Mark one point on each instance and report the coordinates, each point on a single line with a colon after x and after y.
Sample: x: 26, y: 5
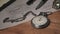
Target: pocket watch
x: 40, y: 21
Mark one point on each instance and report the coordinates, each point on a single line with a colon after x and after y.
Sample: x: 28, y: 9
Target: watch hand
x: 39, y: 19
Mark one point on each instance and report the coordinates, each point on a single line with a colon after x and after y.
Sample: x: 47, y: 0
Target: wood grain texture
x: 26, y: 28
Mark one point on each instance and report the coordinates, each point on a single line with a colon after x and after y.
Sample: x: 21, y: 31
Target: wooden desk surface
x: 26, y: 28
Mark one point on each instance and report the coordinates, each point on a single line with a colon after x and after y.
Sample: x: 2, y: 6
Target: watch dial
x: 39, y: 20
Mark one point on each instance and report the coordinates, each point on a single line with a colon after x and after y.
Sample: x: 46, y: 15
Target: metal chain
x: 23, y: 18
x: 18, y: 19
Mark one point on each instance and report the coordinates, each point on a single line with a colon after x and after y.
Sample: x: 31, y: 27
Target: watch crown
x: 43, y: 13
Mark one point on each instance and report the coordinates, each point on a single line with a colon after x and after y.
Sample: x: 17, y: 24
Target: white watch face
x: 39, y: 20
x: 2, y: 2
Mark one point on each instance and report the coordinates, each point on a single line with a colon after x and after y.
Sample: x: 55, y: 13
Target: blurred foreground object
x: 56, y: 4
x: 5, y: 3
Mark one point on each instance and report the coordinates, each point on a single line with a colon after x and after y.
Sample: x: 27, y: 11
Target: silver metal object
x: 56, y: 4
x: 41, y: 21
